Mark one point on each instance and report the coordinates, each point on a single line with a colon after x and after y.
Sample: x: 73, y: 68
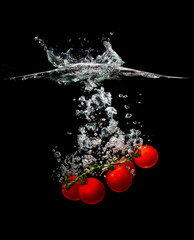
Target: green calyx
x: 111, y: 167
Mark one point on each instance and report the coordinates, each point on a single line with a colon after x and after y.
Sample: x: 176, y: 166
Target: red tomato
x: 148, y: 158
x: 129, y: 165
x: 92, y: 192
x: 72, y: 192
x: 119, y: 179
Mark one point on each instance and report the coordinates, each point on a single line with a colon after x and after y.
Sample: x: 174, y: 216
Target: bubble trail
x: 99, y: 137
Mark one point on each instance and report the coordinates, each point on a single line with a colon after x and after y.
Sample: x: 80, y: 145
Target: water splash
x: 68, y: 69
x: 99, y: 137
x: 60, y: 60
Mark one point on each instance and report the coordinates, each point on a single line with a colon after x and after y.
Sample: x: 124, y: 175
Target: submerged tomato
x: 129, y: 165
x: 72, y: 192
x: 148, y: 157
x: 92, y: 192
x: 119, y: 179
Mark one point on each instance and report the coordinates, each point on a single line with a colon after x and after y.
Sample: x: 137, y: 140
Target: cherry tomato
x: 119, y: 179
x: 148, y: 158
x: 72, y: 192
x: 92, y: 192
x: 129, y: 165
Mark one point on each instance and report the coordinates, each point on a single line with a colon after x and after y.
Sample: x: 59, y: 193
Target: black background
x: 36, y: 114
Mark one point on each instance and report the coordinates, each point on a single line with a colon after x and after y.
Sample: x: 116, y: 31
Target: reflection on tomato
x: 129, y: 165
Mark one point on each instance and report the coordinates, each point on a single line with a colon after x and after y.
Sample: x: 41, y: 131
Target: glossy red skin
x: 92, y: 192
x: 129, y: 165
x: 72, y: 193
x: 148, y: 158
x: 119, y: 179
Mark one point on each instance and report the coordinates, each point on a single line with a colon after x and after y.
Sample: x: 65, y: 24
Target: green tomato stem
x: 96, y: 166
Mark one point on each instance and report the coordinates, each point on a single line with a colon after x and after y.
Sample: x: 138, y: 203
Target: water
x: 69, y: 69
x: 99, y: 138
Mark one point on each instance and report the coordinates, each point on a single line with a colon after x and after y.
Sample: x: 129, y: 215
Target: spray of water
x: 68, y: 69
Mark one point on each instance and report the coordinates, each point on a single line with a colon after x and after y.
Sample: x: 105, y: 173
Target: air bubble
x: 126, y: 106
x: 128, y: 115
x: 57, y: 154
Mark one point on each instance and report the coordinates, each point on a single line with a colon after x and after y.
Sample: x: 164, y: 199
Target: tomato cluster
x: 119, y: 179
